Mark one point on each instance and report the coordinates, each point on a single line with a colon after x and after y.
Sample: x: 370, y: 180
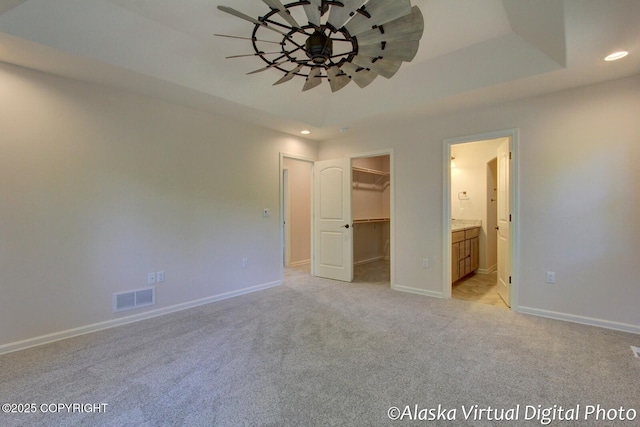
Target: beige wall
x: 99, y: 187
x: 578, y: 192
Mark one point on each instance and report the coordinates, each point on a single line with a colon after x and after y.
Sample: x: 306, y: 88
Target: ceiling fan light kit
x: 341, y: 41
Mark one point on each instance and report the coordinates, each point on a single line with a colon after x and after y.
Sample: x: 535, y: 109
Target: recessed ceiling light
x: 305, y: 132
x: 616, y: 55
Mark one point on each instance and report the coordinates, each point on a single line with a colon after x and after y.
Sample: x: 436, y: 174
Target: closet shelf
x: 367, y: 220
x: 378, y: 180
x: 372, y: 171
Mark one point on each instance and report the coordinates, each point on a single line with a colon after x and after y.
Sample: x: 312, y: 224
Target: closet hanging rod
x: 373, y: 171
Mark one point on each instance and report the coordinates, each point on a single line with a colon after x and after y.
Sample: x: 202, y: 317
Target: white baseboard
x: 368, y: 261
x: 300, y: 263
x: 58, y: 336
x: 417, y: 291
x: 607, y: 324
x: 489, y: 270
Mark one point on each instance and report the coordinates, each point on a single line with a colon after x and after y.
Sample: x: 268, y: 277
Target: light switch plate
x: 551, y: 277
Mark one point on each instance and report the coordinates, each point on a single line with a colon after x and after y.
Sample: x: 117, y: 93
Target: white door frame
x: 282, y: 213
x: 512, y: 134
x: 392, y: 208
x: 392, y: 204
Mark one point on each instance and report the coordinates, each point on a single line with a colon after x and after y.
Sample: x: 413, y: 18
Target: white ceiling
x: 473, y: 53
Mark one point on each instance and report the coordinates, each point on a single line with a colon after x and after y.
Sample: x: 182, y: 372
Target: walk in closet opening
x: 371, y: 195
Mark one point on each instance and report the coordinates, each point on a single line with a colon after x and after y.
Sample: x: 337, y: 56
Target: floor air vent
x: 134, y: 299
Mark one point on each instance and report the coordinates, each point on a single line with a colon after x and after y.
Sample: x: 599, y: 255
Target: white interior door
x: 504, y: 224
x: 332, y: 228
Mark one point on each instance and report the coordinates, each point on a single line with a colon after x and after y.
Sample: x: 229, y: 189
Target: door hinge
x: 509, y: 155
x: 509, y: 217
x: 509, y: 279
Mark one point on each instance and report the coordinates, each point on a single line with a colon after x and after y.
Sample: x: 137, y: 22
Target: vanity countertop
x: 465, y: 224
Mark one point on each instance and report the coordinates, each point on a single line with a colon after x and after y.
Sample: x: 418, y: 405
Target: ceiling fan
x: 340, y: 41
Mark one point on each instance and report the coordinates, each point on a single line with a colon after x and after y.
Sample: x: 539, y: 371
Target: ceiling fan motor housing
x: 319, y: 48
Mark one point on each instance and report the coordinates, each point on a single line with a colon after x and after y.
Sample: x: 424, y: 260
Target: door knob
x: 497, y: 228
x: 346, y: 226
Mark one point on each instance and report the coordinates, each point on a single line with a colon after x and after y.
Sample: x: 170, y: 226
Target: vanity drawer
x: 471, y: 233
x: 457, y: 236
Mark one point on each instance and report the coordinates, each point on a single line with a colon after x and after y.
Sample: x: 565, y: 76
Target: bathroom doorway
x: 478, y: 237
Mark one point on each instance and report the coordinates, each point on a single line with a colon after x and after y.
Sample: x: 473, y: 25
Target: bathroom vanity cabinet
x: 465, y: 247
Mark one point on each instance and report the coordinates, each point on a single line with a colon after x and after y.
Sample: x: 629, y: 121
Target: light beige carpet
x: 316, y: 352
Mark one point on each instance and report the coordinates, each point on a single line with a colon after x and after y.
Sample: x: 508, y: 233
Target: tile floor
x: 482, y: 288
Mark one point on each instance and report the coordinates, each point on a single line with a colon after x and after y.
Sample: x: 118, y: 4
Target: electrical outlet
x: 151, y: 278
x: 551, y: 277
x: 245, y: 262
x: 160, y: 276
x: 425, y: 263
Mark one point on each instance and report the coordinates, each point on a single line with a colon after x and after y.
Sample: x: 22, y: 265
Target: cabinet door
x: 462, y: 266
x: 455, y: 260
x: 475, y: 253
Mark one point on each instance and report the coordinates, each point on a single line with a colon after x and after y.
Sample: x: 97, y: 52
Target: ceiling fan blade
x: 361, y: 76
x: 275, y: 64
x: 291, y: 74
x: 381, y: 11
x: 337, y: 78
x: 313, y: 11
x: 282, y: 11
x: 241, y: 15
x: 247, y: 38
x: 251, y: 54
x: 393, y: 51
x: 383, y: 67
x: 339, y: 15
x: 313, y: 79
x: 238, y: 14
x: 409, y: 27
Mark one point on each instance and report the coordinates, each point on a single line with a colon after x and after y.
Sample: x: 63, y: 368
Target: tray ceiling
x: 472, y: 53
